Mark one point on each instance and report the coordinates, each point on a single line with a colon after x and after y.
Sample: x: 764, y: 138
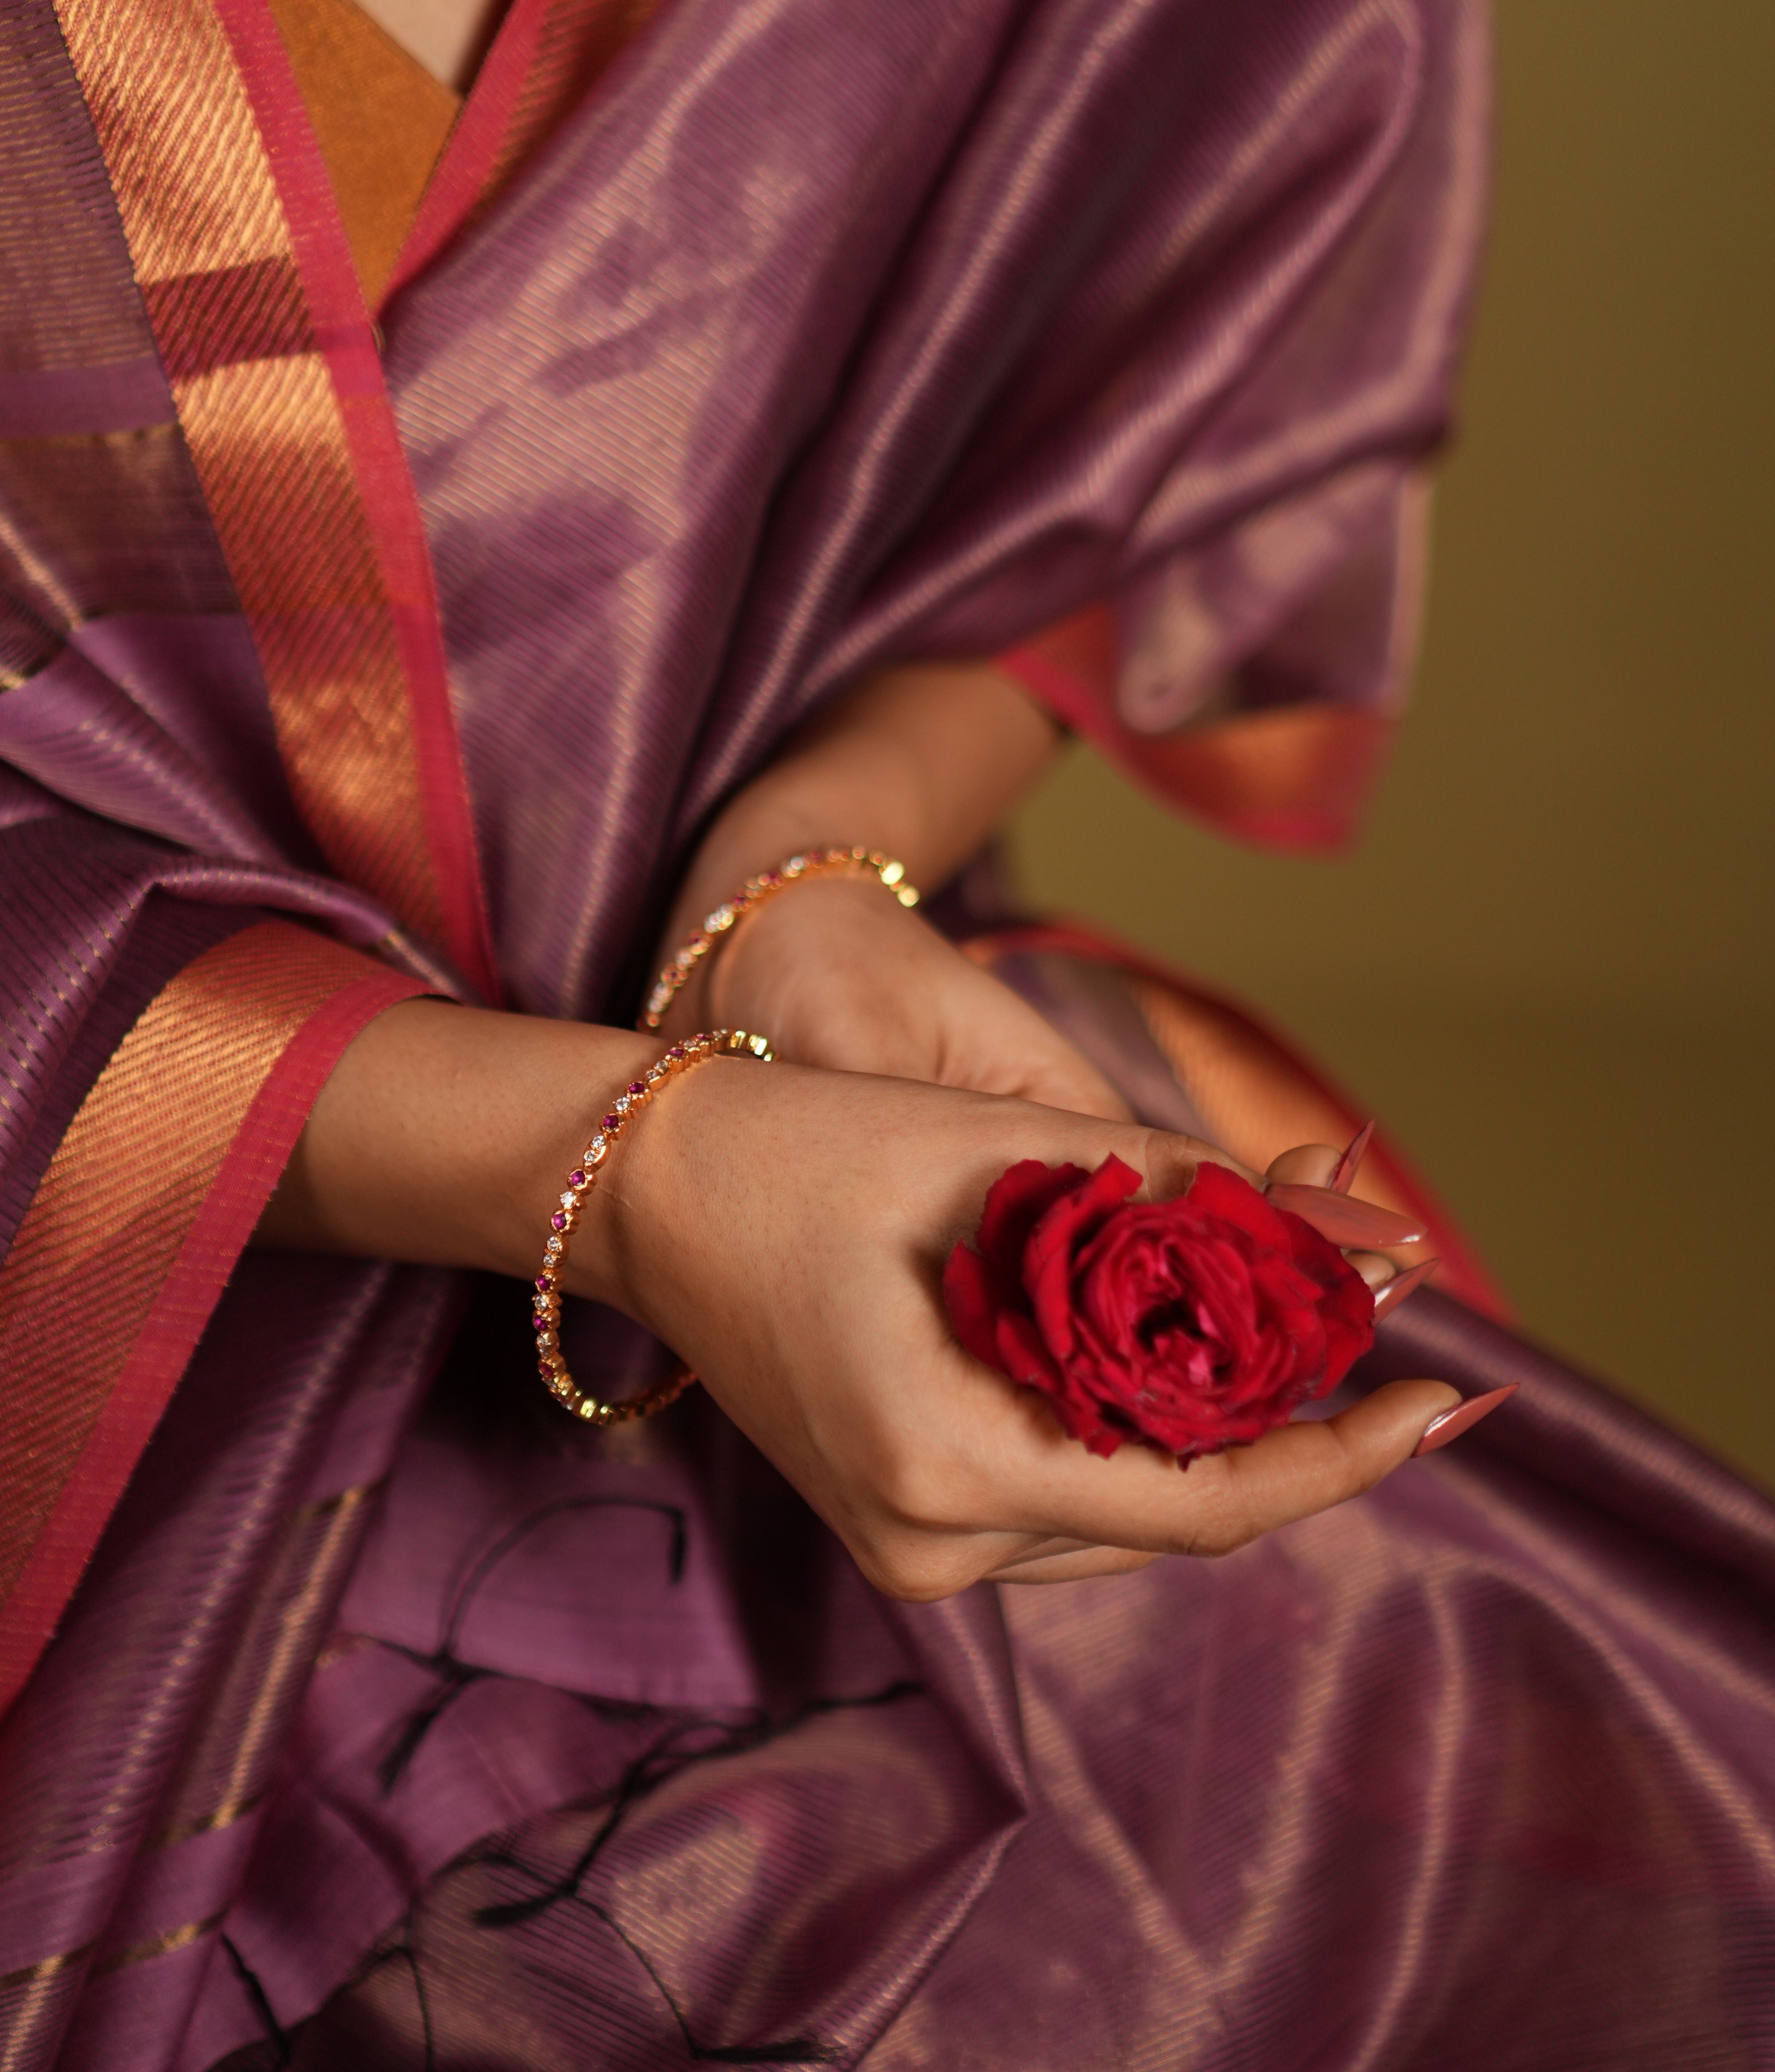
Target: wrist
x: 650, y: 1174
x: 439, y: 1136
x: 686, y: 983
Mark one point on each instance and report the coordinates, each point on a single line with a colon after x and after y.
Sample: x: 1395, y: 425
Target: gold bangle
x: 681, y: 1058
x: 811, y: 863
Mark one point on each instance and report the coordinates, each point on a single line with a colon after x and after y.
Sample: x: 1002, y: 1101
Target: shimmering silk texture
x: 367, y: 1714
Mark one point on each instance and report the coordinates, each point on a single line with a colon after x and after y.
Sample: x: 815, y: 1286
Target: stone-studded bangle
x: 680, y: 1058
x: 812, y: 863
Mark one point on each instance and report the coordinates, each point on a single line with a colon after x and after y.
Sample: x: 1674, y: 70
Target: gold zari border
x: 123, y: 1189
x: 215, y: 259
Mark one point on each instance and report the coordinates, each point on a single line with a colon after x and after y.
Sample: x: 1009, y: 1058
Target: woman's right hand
x: 785, y: 1229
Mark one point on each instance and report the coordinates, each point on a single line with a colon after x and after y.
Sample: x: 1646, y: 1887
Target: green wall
x: 1551, y: 964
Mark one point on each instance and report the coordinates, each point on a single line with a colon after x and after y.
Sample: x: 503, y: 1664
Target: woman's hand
x: 837, y: 974
x: 922, y: 763
x: 785, y: 1231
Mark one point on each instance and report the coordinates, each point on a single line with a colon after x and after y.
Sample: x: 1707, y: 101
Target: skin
x: 784, y: 1227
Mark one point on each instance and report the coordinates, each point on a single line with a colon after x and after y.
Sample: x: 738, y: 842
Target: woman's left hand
x: 838, y: 974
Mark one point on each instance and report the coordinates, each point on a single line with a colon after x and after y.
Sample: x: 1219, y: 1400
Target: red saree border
x: 237, y: 246
x: 208, y: 1092
x: 1389, y: 1177
x: 546, y: 57
x: 347, y: 340
x: 1298, y: 778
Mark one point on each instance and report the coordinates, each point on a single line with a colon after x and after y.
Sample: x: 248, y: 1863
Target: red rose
x: 1195, y: 1323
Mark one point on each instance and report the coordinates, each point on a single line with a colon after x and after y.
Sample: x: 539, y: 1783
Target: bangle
x: 680, y: 1058
x: 812, y: 863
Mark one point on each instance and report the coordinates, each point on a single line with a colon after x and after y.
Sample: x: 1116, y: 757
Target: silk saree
x: 400, y: 562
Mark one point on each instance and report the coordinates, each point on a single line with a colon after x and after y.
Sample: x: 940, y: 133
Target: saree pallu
x: 362, y: 1711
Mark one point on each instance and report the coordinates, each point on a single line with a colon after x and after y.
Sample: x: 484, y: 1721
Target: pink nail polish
x: 1342, y: 1220
x: 1389, y: 1298
x: 1462, y: 1418
x: 1339, y: 1183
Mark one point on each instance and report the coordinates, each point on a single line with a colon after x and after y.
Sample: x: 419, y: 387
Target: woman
x: 763, y: 443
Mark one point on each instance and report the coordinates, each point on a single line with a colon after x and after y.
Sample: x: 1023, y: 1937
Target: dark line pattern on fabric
x: 458, y: 1676
x: 262, y: 2002
x: 663, y: 1760
x: 526, y: 1525
x: 792, y: 2050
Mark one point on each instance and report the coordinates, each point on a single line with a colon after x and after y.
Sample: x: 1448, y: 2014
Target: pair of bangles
x: 627, y: 1109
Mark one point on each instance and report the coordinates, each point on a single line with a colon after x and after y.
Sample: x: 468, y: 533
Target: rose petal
x: 1046, y: 1256
x: 1015, y: 1204
x: 1217, y: 1190
x: 970, y: 1295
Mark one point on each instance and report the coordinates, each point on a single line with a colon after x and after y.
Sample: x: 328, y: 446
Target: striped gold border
x: 267, y: 347
x: 134, y: 1228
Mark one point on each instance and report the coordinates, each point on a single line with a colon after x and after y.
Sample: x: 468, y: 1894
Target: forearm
x: 443, y: 1136
x: 922, y: 762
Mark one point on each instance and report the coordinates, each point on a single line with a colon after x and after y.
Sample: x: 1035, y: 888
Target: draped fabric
x: 363, y: 1711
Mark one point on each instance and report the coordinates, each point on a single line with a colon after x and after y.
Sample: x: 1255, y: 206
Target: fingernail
x: 1345, y: 1172
x: 1342, y: 1220
x: 1462, y: 1418
x: 1389, y: 1296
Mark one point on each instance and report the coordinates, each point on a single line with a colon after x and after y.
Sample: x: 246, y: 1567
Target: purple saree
x: 364, y: 1711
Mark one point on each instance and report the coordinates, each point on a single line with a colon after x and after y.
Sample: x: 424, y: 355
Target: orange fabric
x: 89, y: 1270
x: 216, y: 254
x: 1295, y: 778
x: 547, y: 57
x: 380, y: 120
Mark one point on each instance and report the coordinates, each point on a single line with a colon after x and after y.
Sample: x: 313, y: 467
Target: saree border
x: 547, y: 56
x: 241, y: 256
x: 1298, y: 778
x: 131, y: 1236
x: 1211, y: 1041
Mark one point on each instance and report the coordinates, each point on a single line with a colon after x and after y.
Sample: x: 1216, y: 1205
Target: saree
x: 361, y: 1710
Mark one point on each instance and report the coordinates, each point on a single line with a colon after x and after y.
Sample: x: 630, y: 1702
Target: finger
x: 1076, y: 1566
x: 1140, y: 1498
x: 1344, y: 1219
x: 1036, y: 1550
x: 1073, y: 1083
x: 1306, y: 1165
x: 1389, y: 1298
x: 1304, y: 1468
x: 1376, y: 1268
x: 1170, y: 1163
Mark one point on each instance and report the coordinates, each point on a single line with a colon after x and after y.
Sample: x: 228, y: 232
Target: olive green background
x: 1549, y: 967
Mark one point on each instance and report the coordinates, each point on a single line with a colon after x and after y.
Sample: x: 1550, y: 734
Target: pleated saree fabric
x: 385, y: 605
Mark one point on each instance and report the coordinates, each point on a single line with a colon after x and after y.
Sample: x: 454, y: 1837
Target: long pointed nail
x: 1389, y: 1296
x: 1344, y: 1221
x: 1346, y: 1167
x: 1462, y: 1418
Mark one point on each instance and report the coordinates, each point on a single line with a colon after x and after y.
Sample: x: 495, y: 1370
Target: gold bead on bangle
x: 811, y: 863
